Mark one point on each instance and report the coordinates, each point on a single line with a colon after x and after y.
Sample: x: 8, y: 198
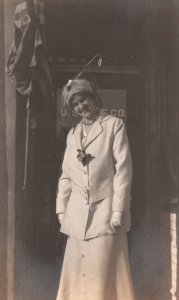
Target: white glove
x: 116, y: 220
x: 60, y: 217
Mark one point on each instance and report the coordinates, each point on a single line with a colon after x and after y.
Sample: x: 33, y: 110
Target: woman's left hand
x: 116, y: 220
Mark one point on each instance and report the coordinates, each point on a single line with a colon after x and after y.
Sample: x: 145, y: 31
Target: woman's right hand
x: 60, y: 217
x: 116, y: 220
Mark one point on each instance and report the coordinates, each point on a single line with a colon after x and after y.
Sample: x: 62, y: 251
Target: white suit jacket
x: 88, y: 195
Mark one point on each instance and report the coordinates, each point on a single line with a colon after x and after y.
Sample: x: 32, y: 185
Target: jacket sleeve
x: 123, y: 169
x: 64, y: 186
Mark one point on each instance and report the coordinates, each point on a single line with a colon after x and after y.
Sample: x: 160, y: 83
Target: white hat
x: 78, y: 86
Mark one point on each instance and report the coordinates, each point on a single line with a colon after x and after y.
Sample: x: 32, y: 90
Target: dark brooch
x: 84, y: 157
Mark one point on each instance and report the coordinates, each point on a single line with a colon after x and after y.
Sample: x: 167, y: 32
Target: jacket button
x: 85, y: 193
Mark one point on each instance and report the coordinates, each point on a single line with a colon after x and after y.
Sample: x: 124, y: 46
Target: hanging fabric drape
x: 27, y: 64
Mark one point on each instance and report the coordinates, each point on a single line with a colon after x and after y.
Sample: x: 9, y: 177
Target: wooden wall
x: 161, y: 114
x: 3, y: 168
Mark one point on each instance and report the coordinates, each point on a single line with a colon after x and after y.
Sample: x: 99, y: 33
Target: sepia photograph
x: 89, y: 143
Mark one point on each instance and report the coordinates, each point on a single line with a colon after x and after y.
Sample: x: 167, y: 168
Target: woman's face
x: 84, y: 106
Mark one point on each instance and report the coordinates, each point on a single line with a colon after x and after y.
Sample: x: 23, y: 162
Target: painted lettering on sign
x: 63, y: 112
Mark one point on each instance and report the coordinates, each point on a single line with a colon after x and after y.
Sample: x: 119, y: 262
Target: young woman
x: 93, y: 201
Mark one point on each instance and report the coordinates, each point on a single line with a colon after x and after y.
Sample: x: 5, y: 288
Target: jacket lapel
x: 78, y: 131
x: 96, y: 130
x: 94, y: 133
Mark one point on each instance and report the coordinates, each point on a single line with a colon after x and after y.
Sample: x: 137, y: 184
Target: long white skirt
x: 96, y: 269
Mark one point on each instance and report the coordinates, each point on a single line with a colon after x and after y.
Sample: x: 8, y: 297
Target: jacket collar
x: 95, y: 131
